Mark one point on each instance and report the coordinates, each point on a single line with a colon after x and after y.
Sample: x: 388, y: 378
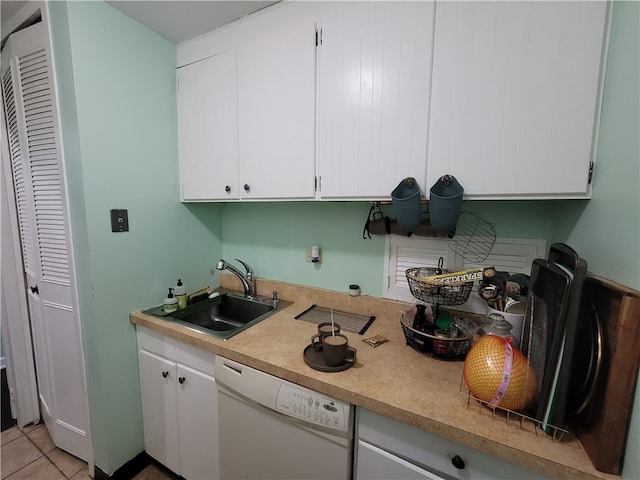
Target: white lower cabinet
x: 179, y: 405
x: 376, y: 463
x: 388, y: 449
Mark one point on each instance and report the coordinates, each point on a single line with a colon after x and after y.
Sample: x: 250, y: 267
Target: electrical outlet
x: 307, y: 255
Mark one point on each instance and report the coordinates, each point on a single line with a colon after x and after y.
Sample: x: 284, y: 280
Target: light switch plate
x: 119, y: 220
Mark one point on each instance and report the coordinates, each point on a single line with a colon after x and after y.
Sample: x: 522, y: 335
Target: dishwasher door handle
x: 233, y: 368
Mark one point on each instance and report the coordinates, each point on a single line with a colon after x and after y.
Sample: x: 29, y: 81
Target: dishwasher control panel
x: 312, y: 407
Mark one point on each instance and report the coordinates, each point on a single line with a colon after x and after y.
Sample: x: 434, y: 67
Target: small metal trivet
x: 350, y: 322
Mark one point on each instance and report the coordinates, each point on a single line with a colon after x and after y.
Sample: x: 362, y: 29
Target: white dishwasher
x: 270, y: 428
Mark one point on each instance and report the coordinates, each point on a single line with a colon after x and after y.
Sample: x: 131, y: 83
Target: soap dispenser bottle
x: 180, y: 292
x: 170, y: 303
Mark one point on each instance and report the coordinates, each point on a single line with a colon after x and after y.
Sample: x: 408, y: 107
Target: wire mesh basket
x: 422, y: 289
x: 435, y: 345
x: 473, y: 237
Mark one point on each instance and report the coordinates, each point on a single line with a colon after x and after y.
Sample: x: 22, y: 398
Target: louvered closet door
x: 32, y: 123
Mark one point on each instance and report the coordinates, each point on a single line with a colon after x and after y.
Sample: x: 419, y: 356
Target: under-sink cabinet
x: 179, y: 405
x: 515, y: 100
x: 246, y: 108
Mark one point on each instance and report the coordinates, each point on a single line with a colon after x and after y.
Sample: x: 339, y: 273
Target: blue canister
x: 407, y: 204
x: 445, y: 203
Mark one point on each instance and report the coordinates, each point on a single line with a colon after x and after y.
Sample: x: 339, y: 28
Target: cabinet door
x: 515, y: 96
x: 382, y: 439
x: 198, y: 424
x: 276, y: 103
x: 375, y: 75
x: 374, y: 463
x: 159, y: 406
x: 208, y: 128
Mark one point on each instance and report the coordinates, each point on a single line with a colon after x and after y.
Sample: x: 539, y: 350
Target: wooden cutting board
x: 603, y: 426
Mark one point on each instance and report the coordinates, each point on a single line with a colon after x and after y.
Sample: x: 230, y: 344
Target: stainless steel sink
x: 226, y: 315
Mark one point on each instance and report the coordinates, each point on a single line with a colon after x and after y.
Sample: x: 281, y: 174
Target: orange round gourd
x: 484, y: 369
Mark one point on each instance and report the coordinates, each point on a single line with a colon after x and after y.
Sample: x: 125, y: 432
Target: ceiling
x: 8, y: 8
x: 178, y: 20
x: 175, y: 20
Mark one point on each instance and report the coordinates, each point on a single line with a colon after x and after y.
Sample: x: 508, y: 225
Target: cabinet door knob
x: 34, y: 290
x: 181, y: 380
x: 227, y: 188
x: 457, y: 462
x: 246, y: 187
x: 165, y: 374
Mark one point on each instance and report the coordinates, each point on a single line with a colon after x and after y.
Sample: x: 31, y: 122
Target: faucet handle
x: 247, y: 268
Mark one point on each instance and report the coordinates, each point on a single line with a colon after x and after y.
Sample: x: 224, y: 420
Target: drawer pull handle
x: 457, y: 462
x: 246, y: 187
x: 227, y: 188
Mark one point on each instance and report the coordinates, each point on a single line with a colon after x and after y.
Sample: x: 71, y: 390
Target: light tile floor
x: 29, y: 453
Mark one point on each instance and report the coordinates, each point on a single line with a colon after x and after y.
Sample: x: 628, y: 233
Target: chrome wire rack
x: 473, y: 238
x: 511, y: 417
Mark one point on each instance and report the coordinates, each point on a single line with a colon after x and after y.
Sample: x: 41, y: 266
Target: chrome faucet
x: 248, y: 280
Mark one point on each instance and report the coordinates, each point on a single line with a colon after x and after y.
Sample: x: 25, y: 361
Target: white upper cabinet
x: 276, y: 104
x: 375, y: 78
x: 516, y: 95
x: 246, y: 108
x: 208, y: 128
x: 504, y: 95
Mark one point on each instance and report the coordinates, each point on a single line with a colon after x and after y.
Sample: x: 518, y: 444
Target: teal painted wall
x: 273, y: 238
x: 118, y: 105
x: 606, y: 230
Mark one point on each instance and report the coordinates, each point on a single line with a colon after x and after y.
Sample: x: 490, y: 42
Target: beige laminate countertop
x: 392, y: 379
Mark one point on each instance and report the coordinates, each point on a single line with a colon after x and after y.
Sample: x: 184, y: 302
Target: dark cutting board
x: 603, y: 426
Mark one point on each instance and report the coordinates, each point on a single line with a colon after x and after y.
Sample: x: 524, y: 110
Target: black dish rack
x: 430, y: 292
x: 435, y: 345
x: 426, y: 290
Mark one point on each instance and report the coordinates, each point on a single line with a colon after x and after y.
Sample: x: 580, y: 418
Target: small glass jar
x: 495, y: 324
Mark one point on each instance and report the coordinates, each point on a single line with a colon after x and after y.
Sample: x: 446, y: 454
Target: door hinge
x: 317, y: 183
x: 318, y: 37
x: 590, y: 173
